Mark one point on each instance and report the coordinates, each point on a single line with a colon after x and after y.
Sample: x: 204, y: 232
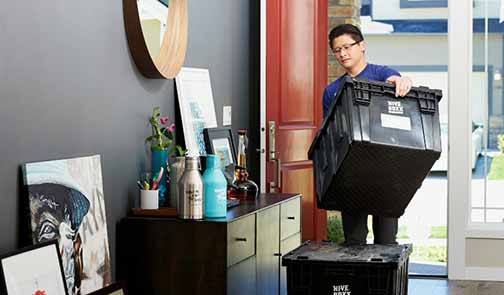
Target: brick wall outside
x: 340, y: 12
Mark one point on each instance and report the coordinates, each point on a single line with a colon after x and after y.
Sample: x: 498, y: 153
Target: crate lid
x: 329, y: 252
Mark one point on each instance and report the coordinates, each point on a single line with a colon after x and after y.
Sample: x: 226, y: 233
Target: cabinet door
x: 286, y: 246
x: 268, y: 249
x: 241, y: 277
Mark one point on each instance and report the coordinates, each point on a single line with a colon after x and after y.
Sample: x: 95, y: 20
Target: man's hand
x: 403, y: 85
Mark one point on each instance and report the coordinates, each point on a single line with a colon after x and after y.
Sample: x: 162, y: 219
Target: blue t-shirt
x: 370, y: 72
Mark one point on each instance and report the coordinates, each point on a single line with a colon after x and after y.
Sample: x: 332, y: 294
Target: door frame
x: 262, y: 93
x: 460, y: 64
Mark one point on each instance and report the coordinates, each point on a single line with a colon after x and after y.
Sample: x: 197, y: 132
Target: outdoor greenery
x: 428, y: 253
x: 438, y: 232
x: 497, y: 168
x: 335, y: 229
x: 500, y: 142
x: 402, y: 232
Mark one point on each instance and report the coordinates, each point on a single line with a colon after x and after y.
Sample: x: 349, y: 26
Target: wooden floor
x: 445, y: 287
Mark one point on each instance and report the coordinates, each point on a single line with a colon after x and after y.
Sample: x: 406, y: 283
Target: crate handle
x: 389, y: 91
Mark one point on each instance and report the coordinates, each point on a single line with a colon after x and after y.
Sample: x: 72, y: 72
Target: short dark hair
x: 343, y: 29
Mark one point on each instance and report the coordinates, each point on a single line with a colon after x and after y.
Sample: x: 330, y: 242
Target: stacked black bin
x: 329, y: 269
x: 373, y: 149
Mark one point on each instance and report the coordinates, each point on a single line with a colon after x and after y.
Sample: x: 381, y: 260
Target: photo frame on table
x: 219, y: 141
x: 118, y: 288
x: 197, y: 110
x: 34, y: 270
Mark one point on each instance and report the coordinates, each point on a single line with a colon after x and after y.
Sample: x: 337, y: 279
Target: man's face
x: 347, y: 51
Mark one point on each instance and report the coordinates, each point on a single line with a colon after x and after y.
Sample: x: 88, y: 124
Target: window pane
x: 487, y: 113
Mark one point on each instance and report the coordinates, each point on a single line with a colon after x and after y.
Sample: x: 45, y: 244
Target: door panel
x: 295, y: 143
x: 296, y: 74
x: 297, y: 63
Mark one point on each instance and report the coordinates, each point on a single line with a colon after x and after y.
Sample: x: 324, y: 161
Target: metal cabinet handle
x: 277, y: 254
x: 241, y: 239
x: 291, y: 217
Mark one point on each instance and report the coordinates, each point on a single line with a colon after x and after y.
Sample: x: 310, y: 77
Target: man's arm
x: 403, y: 84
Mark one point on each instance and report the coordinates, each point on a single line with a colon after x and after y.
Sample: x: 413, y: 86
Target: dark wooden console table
x: 239, y: 254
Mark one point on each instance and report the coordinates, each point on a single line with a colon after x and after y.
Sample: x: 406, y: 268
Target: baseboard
x: 484, y: 274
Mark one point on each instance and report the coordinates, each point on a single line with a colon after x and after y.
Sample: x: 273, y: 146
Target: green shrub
x: 500, y: 142
x: 428, y: 254
x: 438, y: 232
x: 335, y: 229
x: 402, y: 232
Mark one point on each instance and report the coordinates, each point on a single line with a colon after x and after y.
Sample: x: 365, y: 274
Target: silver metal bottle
x: 190, y: 203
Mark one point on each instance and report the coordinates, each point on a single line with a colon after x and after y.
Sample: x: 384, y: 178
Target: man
x: 348, y: 46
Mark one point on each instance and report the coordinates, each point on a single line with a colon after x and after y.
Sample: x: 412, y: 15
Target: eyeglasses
x: 345, y: 47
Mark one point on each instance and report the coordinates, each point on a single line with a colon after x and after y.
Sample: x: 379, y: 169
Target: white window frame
x: 459, y: 119
x: 460, y: 226
x: 485, y: 229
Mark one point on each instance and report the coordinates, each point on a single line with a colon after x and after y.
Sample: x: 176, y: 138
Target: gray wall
x: 69, y: 88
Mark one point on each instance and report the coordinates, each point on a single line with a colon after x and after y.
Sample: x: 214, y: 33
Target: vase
x: 177, y: 166
x: 214, y: 184
x: 158, y: 160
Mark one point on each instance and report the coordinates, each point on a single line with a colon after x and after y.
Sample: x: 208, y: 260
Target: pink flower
x: 172, y: 127
x: 163, y: 120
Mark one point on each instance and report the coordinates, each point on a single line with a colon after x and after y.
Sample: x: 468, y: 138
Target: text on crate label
x: 395, y: 107
x: 341, y: 290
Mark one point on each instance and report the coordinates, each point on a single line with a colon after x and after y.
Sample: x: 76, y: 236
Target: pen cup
x: 149, y: 199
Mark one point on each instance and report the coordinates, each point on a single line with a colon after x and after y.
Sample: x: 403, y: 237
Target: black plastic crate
x: 325, y: 268
x: 373, y: 149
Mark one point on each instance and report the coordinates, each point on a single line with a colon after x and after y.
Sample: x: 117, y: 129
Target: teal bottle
x: 214, y: 187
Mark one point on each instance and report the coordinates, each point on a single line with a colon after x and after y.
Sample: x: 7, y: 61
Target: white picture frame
x: 33, y: 270
x: 197, y: 109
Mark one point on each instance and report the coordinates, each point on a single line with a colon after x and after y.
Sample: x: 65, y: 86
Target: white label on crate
x: 341, y: 290
x: 395, y: 107
x: 396, y: 122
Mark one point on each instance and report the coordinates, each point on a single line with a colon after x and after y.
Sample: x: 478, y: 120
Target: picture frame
x: 117, y: 288
x: 34, y: 269
x: 197, y: 110
x: 219, y: 141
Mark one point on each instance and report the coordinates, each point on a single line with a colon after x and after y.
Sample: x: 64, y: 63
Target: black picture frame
x: 117, y: 288
x: 217, y: 140
x: 42, y: 251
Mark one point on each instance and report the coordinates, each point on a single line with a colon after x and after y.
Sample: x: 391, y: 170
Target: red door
x: 296, y: 74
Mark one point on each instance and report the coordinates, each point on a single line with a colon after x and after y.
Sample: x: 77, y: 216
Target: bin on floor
x: 373, y: 149
x: 325, y: 268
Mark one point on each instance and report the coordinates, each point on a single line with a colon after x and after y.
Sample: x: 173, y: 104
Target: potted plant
x: 161, y: 145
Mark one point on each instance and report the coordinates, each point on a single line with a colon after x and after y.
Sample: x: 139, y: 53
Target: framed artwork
x: 117, y: 288
x: 219, y: 141
x: 33, y: 270
x: 197, y: 109
x: 67, y: 204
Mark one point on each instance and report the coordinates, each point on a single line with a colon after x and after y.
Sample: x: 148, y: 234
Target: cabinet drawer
x: 286, y: 246
x: 240, y: 239
x: 290, y: 218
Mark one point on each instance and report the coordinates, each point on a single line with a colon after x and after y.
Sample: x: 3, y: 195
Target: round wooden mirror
x: 157, y: 35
